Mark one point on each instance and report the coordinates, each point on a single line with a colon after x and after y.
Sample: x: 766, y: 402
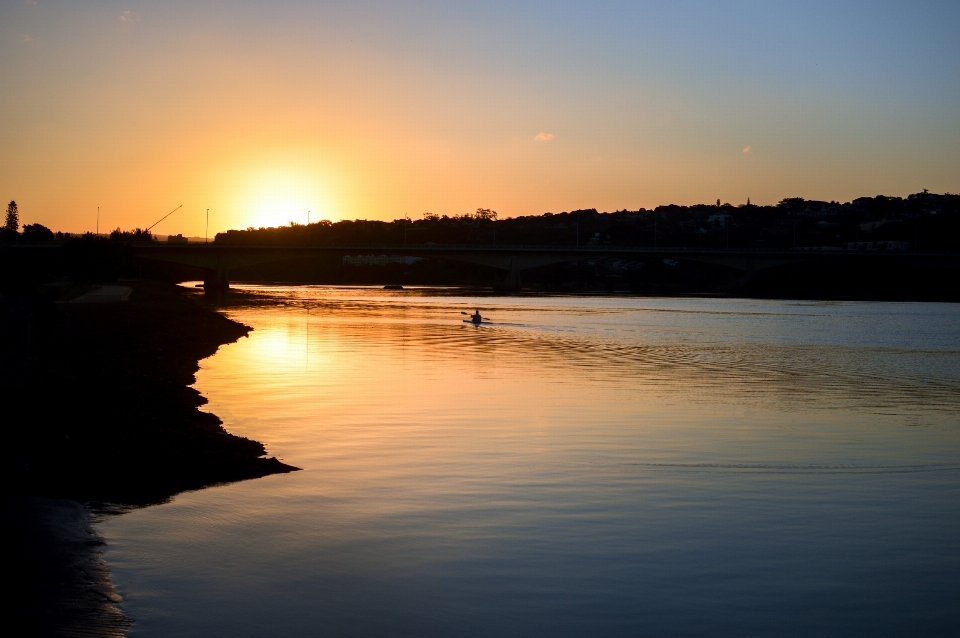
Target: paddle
x: 470, y: 315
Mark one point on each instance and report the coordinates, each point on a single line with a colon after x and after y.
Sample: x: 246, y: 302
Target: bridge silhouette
x: 218, y: 260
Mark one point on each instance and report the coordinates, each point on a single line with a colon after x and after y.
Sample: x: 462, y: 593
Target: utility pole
x: 494, y: 232
x: 98, y: 221
x: 726, y: 224
x: 578, y: 233
x: 308, y: 218
x: 206, y: 232
x: 654, y: 230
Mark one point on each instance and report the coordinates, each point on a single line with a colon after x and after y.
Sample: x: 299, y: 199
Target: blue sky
x: 376, y: 110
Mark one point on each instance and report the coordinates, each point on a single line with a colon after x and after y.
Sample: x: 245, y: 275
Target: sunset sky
x: 263, y: 111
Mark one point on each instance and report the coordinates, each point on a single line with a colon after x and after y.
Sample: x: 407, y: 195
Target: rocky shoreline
x: 99, y: 414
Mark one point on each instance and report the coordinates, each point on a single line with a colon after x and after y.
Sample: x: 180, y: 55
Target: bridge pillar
x: 512, y: 280
x: 745, y: 278
x: 217, y: 282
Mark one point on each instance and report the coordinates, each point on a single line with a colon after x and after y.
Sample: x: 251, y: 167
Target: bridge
x: 218, y: 259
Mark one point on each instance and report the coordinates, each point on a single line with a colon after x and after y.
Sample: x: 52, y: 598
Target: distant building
x: 176, y: 239
x: 871, y: 226
x: 718, y: 219
x: 878, y: 245
x: 379, y: 260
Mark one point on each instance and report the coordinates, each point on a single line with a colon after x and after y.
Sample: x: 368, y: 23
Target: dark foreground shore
x: 58, y: 582
x: 98, y: 415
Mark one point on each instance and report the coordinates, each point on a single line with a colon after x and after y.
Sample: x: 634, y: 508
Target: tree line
x: 922, y: 221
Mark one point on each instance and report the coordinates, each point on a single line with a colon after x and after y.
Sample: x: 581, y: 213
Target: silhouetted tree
x: 134, y: 235
x: 37, y: 232
x: 13, y: 217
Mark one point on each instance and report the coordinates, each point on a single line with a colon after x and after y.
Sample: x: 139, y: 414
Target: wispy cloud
x: 129, y: 16
x: 27, y: 38
x: 746, y: 150
x: 543, y: 137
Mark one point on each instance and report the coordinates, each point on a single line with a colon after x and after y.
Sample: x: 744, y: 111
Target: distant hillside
x: 922, y: 221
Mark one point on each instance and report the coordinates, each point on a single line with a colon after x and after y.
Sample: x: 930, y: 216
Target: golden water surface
x: 579, y: 466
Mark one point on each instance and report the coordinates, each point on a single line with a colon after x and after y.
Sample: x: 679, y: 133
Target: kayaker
x: 475, y: 317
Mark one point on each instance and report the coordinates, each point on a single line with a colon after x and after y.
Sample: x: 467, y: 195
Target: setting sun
x: 276, y: 207
x: 480, y: 318
x: 279, y: 196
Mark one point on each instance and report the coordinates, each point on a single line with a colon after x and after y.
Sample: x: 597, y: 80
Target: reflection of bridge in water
x: 218, y: 260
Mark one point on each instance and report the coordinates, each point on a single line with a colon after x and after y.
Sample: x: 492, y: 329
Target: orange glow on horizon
x: 278, y: 197
x: 260, y: 114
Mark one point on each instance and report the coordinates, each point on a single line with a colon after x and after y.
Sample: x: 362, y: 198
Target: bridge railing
x: 533, y: 248
x: 457, y: 247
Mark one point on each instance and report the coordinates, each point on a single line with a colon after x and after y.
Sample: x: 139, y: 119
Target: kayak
x: 476, y: 323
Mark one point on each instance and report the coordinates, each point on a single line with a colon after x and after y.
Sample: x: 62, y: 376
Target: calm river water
x: 584, y: 466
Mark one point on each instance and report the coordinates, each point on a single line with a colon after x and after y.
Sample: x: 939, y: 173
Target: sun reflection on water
x: 580, y: 465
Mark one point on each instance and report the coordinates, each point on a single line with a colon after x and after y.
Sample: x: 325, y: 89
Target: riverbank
x: 104, y: 411
x: 98, y: 410
x: 61, y: 584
